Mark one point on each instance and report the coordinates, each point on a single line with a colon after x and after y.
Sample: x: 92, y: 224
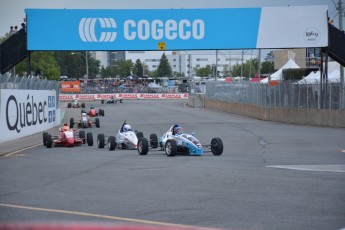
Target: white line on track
x: 316, y: 168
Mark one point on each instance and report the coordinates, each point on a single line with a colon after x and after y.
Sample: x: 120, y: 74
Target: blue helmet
x: 178, y: 130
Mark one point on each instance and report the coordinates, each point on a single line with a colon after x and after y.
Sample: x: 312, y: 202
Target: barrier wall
x: 26, y: 112
x: 319, y: 117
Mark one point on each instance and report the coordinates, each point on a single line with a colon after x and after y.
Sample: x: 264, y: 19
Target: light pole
x: 86, y: 62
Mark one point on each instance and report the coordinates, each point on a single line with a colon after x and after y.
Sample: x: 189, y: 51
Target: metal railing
x: 29, y: 83
x: 284, y: 95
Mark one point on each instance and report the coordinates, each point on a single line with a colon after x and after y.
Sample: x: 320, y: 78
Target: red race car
x: 93, y: 112
x: 75, y: 104
x: 67, y: 138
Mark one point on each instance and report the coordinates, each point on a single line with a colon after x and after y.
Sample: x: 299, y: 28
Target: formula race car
x: 67, y: 138
x: 173, y: 142
x: 111, y: 101
x: 75, y: 104
x: 93, y: 112
x: 84, y: 122
x: 123, y: 140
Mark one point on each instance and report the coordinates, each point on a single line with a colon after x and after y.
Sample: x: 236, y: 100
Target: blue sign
x: 179, y: 29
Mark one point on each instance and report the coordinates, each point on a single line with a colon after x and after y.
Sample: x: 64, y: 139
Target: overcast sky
x: 12, y: 11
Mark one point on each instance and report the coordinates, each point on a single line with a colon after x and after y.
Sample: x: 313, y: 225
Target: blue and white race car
x: 175, y: 141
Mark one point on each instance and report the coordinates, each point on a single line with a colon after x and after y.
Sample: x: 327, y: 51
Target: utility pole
x: 259, y: 66
x: 340, y: 15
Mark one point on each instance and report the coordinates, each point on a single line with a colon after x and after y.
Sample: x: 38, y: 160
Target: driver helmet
x: 65, y: 127
x: 126, y: 127
x: 178, y: 130
x: 83, y: 114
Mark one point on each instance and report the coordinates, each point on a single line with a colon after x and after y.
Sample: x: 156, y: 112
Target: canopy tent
x: 333, y: 75
x: 153, y: 86
x: 278, y: 75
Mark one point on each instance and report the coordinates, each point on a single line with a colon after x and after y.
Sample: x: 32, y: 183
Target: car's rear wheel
x: 102, y: 101
x: 217, y: 146
x: 71, y: 122
x: 49, y: 141
x: 153, y: 141
x: 171, y: 148
x: 120, y: 100
x: 100, y: 141
x: 101, y: 112
x: 140, y: 135
x: 143, y: 146
x: 69, y: 105
x: 45, y: 138
x: 82, y: 136
x: 83, y: 105
x: 97, y: 122
x: 89, y: 139
x: 111, y: 143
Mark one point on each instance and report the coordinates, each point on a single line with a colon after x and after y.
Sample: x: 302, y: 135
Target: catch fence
x: 285, y: 95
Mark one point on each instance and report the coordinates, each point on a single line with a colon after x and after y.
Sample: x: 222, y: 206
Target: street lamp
x: 86, y: 62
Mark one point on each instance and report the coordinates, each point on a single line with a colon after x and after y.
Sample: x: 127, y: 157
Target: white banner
x: 26, y: 112
x: 93, y: 97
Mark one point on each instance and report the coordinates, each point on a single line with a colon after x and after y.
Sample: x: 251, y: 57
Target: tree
x: 138, y: 68
x: 164, y: 68
x: 42, y: 63
x: 204, y: 71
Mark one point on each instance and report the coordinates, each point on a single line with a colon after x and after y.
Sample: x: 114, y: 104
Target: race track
x: 270, y: 175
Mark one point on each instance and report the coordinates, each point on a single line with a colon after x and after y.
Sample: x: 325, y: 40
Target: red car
x: 75, y: 104
x: 93, y: 112
x: 67, y: 138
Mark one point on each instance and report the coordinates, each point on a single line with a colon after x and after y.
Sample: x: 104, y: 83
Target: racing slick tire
x: 71, y: 122
x: 49, y: 141
x: 120, y: 100
x: 139, y: 135
x: 83, y: 105
x: 69, y: 105
x: 217, y: 146
x: 102, y: 101
x: 143, y: 146
x: 45, y: 134
x: 97, y: 122
x: 101, y: 112
x: 100, y: 141
x: 82, y: 136
x: 89, y: 139
x: 153, y: 141
x: 111, y: 143
x: 170, y: 148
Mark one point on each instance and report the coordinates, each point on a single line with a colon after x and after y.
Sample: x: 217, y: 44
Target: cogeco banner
x: 178, y: 29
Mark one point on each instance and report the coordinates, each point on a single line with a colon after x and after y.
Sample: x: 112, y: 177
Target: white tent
x: 333, y: 75
x: 153, y: 86
x: 313, y: 77
x: 290, y: 64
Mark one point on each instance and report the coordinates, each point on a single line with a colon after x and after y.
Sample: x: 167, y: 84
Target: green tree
x: 204, y: 71
x: 267, y: 67
x: 42, y: 63
x: 138, y: 68
x: 164, y: 68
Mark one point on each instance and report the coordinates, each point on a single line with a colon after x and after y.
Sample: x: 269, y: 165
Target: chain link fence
x: 29, y: 83
x: 284, y: 95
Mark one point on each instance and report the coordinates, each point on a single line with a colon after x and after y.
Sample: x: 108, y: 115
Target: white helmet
x: 126, y: 127
x: 83, y: 114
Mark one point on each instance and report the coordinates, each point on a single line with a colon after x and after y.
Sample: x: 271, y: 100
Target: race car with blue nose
x: 174, y: 141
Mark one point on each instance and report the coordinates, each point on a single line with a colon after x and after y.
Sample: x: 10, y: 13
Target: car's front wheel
x: 171, y: 148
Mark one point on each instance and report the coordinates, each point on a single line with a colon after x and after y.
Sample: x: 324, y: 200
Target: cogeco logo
x: 87, y: 29
x: 22, y: 114
x: 143, y: 29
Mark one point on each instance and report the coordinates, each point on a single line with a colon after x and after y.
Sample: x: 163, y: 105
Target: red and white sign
x: 93, y: 97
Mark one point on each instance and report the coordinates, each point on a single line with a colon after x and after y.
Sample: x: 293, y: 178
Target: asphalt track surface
x: 270, y: 175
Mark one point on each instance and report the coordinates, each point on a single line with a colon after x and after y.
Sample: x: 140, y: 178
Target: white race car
x: 122, y: 140
x: 173, y: 143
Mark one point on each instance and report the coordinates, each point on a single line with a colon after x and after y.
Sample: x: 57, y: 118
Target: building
x: 182, y: 62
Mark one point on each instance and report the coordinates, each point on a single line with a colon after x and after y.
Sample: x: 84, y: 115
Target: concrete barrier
x: 318, y: 117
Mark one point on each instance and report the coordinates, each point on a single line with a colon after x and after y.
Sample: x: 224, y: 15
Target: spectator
x: 12, y: 30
